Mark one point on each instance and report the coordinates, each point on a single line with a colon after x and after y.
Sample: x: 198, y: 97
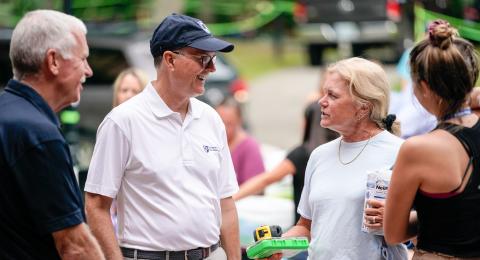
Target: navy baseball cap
x: 177, y: 31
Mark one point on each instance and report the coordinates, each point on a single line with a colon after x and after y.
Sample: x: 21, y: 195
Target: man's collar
x: 160, y: 109
x: 20, y: 89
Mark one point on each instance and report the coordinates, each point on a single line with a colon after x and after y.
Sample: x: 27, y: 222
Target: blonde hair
x: 368, y: 85
x: 141, y: 77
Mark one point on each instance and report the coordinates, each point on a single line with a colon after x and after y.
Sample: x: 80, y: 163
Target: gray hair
x: 36, y: 33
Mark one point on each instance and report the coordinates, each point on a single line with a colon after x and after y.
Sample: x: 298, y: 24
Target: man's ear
x: 53, y: 65
x: 169, y: 60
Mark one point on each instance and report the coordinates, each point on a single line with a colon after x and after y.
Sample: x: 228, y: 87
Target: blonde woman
x: 128, y: 83
x: 354, y: 104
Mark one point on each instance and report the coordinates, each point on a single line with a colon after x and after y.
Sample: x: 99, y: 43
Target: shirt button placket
x: 187, y: 152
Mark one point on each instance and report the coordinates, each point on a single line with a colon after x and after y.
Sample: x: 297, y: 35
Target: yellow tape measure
x: 267, y: 232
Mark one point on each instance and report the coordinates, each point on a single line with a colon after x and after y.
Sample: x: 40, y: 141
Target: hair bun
x: 441, y: 33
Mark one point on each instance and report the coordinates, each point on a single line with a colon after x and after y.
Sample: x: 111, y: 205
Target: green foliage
x: 11, y: 11
x: 88, y: 10
x: 226, y: 17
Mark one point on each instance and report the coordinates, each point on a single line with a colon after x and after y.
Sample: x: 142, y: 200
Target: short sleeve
x: 304, y: 207
x: 109, y: 160
x: 48, y: 186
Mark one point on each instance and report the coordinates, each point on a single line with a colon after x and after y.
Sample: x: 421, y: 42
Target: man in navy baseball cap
x: 176, y: 195
x: 177, y: 31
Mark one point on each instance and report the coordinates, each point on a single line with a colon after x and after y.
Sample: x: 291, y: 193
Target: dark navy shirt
x: 39, y: 193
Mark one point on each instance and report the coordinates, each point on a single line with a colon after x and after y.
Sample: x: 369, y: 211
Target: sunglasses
x: 204, y: 60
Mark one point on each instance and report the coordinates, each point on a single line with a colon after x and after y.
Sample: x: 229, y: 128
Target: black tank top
x: 452, y: 225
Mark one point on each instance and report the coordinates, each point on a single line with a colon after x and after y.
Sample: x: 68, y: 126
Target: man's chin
x: 199, y: 92
x: 75, y: 103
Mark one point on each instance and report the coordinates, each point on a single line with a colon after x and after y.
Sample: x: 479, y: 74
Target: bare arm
x: 301, y: 229
x: 229, y: 233
x: 399, y: 226
x: 98, y: 216
x: 77, y: 243
x: 260, y: 182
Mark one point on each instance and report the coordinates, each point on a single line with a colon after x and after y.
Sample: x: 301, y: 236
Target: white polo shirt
x: 168, y: 176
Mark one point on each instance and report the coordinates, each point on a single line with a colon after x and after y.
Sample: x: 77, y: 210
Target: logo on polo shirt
x: 208, y: 149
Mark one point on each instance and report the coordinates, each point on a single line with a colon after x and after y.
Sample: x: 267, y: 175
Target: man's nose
x: 322, y: 101
x: 88, y: 71
x: 211, y: 67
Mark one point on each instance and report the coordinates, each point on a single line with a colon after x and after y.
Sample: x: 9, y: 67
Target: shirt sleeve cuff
x: 101, y: 190
x: 63, y: 222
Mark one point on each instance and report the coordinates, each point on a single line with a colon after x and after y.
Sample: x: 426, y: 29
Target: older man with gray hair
x: 42, y: 214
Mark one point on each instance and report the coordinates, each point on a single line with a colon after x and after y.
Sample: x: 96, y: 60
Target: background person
x: 128, y: 83
x: 438, y: 172
x: 355, y: 103
x: 42, y: 214
x: 245, y: 151
x: 413, y: 117
x: 296, y: 160
x: 164, y: 156
x: 475, y: 100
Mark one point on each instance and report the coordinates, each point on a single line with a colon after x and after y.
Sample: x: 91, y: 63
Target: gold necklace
x: 354, y: 158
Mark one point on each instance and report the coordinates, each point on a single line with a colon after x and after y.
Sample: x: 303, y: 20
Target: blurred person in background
x: 438, y: 173
x: 164, y: 156
x: 128, y: 83
x: 245, y: 151
x: 414, y: 119
x: 354, y: 104
x: 296, y: 160
x: 42, y: 213
x: 475, y: 101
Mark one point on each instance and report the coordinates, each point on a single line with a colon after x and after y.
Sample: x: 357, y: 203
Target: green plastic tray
x: 288, y: 246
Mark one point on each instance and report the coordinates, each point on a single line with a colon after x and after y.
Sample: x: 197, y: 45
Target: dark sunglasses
x: 204, y: 59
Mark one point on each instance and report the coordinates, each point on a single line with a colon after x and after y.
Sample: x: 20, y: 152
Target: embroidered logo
x: 203, y: 26
x: 208, y: 149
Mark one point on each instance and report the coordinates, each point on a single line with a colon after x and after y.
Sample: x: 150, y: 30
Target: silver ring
x: 374, y: 220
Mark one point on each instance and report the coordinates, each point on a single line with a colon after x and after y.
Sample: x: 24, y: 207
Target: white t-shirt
x: 333, y: 196
x: 168, y: 176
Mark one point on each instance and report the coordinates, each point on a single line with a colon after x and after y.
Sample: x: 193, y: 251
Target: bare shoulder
x: 428, y: 153
x: 431, y: 144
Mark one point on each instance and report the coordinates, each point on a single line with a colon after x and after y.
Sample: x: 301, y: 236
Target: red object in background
x: 393, y: 10
x: 239, y: 90
x: 300, y: 12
